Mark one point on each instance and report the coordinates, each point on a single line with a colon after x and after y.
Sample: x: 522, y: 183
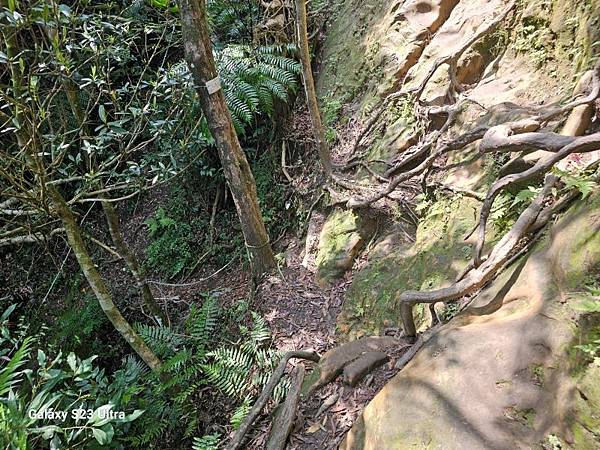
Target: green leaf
x: 48, y: 431
x: 72, y: 361
x: 102, y: 113
x: 101, y: 415
x: 41, y: 357
x: 524, y: 195
x: 100, y: 436
x: 7, y: 312
x: 134, y: 415
x: 109, y: 431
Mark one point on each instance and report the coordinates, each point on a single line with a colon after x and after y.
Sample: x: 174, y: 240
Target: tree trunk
x: 198, y: 51
x: 132, y: 262
x: 309, y: 86
x: 96, y: 282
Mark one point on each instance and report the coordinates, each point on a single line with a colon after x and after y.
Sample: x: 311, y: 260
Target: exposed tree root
x: 458, y: 190
x: 284, y: 418
x: 452, y: 60
x: 355, y: 371
x: 240, y: 434
x: 334, y: 361
x: 479, y: 276
x: 456, y: 144
x: 412, y: 351
x: 578, y: 145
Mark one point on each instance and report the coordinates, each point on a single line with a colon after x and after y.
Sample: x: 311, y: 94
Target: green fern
x: 258, y: 336
x: 208, y: 442
x: 241, y: 412
x: 202, y: 323
x: 584, y: 184
x: 161, y: 339
x: 253, y: 77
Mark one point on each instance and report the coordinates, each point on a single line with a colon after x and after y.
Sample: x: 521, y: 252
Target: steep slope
x: 504, y: 373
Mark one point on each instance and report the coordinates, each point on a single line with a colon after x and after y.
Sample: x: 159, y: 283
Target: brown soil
x: 301, y: 315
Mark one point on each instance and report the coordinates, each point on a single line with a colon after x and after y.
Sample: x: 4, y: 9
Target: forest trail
x: 302, y: 315
x: 404, y: 255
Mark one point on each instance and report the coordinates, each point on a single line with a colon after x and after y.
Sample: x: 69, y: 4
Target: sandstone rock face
x: 504, y: 374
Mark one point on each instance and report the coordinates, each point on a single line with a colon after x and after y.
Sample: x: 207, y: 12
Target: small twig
x: 102, y: 245
x: 283, y: 162
x: 193, y: 283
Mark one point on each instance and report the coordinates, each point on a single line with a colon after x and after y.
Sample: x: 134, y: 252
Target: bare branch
x: 239, y: 435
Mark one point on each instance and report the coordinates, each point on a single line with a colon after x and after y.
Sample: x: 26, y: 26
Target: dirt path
x: 302, y: 315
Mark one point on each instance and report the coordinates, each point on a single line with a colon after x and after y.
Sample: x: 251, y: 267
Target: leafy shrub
x: 75, y: 386
x: 80, y: 323
x: 238, y: 371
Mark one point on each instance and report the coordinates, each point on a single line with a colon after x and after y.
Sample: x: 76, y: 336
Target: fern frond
x: 207, y: 442
x: 202, y: 323
x: 241, y: 412
x: 162, y: 340
x: 259, y: 335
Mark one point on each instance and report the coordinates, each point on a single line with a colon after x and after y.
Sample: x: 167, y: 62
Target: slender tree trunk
x: 309, y: 86
x: 131, y: 260
x: 198, y: 51
x: 95, y: 280
x: 27, y: 139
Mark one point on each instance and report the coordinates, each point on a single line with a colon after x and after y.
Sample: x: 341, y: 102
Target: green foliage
x: 590, y: 305
x: 207, y: 442
x: 254, y: 78
x: 582, y: 182
x: 238, y: 371
x: 278, y: 210
x: 232, y: 22
x: 533, y: 36
x: 242, y: 370
x: 170, y: 250
x: 508, y: 206
x: 202, y: 323
x: 98, y: 408
x: 80, y: 322
x: 240, y: 413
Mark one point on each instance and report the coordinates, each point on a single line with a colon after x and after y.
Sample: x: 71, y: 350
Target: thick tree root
x: 238, y: 437
x: 355, y: 371
x: 283, y: 421
x: 412, y: 351
x: 452, y: 62
x: 334, y: 361
x: 456, y: 144
x: 477, y: 277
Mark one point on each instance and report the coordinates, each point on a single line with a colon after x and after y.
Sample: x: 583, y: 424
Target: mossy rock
x: 342, y: 237
x: 438, y: 255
